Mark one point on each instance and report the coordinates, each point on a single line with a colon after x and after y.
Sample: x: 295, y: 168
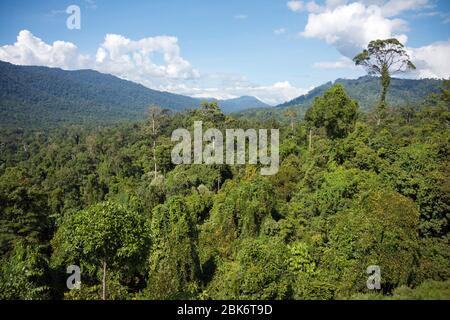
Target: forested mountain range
x: 39, y: 96
x: 31, y: 95
x: 365, y: 90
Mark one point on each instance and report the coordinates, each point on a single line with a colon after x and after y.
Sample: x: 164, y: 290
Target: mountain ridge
x: 57, y: 95
x: 366, y: 90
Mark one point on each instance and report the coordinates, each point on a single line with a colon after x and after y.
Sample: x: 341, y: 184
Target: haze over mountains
x: 36, y: 96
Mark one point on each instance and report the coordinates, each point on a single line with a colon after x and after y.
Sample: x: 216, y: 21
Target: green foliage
x: 366, y: 90
x: 384, y: 58
x: 335, y: 112
x: 256, y: 271
x: 174, y: 266
x: 22, y: 210
x: 41, y: 97
x: 238, y: 212
x: 24, y: 273
x: 106, y: 234
x: 380, y: 229
x: 428, y: 290
x: 348, y: 194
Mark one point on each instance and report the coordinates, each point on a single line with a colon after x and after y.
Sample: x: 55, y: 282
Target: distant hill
x: 31, y: 96
x: 239, y: 104
x: 365, y: 90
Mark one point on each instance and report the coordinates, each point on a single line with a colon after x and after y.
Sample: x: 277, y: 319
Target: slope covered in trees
x: 366, y: 90
x: 349, y: 193
x: 40, y: 96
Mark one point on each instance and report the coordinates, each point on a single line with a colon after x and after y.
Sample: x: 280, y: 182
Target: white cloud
x: 351, y: 27
x: 30, y: 50
x: 295, y: 5
x: 389, y: 8
x: 313, y: 7
x: 432, y: 60
x: 272, y: 94
x: 136, y: 60
x: 125, y: 58
x: 335, y: 3
x: 341, y: 63
x: 310, y: 6
x: 132, y: 60
x: 394, y: 7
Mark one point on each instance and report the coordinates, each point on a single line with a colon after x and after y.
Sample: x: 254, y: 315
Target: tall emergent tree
x: 155, y: 115
x: 384, y: 58
x: 291, y: 115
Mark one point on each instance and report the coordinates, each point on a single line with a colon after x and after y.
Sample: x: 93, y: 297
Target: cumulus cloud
x: 432, y: 60
x: 30, y: 50
x: 351, y: 27
x: 132, y: 60
x: 117, y: 55
x: 342, y: 63
x: 388, y: 7
x: 137, y: 60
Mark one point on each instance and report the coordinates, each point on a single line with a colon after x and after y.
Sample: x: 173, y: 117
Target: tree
x: 156, y: 115
x: 23, y: 210
x: 384, y: 58
x: 291, y: 114
x: 258, y: 270
x: 24, y: 273
x: 335, y: 111
x: 105, y: 235
x: 174, y: 266
x: 381, y: 228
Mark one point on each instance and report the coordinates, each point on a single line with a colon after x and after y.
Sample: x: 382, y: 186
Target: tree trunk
x: 383, y: 94
x: 104, y: 281
x: 310, y: 139
x: 154, y: 155
x: 154, y: 144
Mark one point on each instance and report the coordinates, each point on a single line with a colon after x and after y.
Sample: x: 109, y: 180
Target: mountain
x: 366, y: 90
x: 239, y: 104
x: 33, y: 96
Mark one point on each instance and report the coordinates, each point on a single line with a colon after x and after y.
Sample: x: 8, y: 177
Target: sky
x: 274, y: 50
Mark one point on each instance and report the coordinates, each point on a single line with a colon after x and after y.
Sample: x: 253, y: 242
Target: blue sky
x: 275, y: 50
